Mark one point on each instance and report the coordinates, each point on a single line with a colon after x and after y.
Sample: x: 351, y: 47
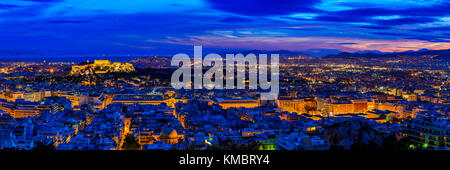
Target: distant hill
x: 370, y: 51
x: 282, y: 53
x: 437, y: 54
x: 435, y: 59
x: 321, y: 52
x: 424, y: 56
x: 151, y: 62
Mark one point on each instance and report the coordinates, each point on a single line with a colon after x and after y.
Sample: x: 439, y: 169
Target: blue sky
x: 166, y: 27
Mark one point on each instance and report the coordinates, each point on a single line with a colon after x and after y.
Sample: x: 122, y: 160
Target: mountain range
x: 436, y: 54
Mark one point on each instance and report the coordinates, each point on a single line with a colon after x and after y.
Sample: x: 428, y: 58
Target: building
x: 129, y: 99
x: 297, y: 105
x: 349, y: 106
x: 102, y: 67
x: 32, y: 96
x: 237, y: 102
x: 300, y: 141
x: 428, y: 130
x: 170, y: 136
x: 23, y: 109
x: 138, y: 99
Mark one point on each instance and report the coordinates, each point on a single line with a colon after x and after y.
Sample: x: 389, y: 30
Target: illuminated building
x: 323, y: 105
x: 126, y: 126
x: 237, y: 102
x: 297, y: 105
x: 139, y: 99
x: 22, y: 109
x: 378, y: 115
x: 170, y: 136
x: 349, y: 107
x: 32, y: 96
x: 73, y: 97
x: 98, y: 102
x: 411, y: 97
x: 292, y: 105
x: 428, y: 131
x: 290, y: 117
x: 172, y: 101
x: 101, y: 62
x: 146, y: 137
x: 341, y: 108
x: 79, y: 69
x: 392, y: 107
x: 250, y: 132
x: 267, y: 144
x: 102, y: 67
x: 146, y: 100
x: 360, y: 106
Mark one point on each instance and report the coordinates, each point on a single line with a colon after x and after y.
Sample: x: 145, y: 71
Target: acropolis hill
x: 101, y: 67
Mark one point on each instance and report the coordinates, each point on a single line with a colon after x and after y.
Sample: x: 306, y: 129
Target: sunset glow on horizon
x: 119, y: 27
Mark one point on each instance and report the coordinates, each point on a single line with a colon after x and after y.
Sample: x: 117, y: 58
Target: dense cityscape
x: 225, y: 83
x: 395, y: 101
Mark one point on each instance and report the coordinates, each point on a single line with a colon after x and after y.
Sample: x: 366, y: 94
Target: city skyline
x: 77, y: 28
x: 246, y: 77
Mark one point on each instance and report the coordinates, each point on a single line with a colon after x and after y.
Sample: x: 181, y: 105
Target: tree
x: 253, y: 145
x: 130, y: 143
x: 391, y: 143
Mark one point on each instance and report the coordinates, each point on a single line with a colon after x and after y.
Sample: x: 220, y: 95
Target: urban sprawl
x: 329, y: 103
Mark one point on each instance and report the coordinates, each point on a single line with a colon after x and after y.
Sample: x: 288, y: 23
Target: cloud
x: 306, y: 43
x: 68, y: 21
x: 341, y: 18
x: 346, y: 43
x: 391, y: 34
x: 411, y: 15
x: 234, y: 20
x: 8, y: 6
x: 44, y: 0
x: 375, y: 27
x: 431, y: 38
x: 431, y: 29
x: 367, y: 18
x: 26, y: 11
x: 263, y: 24
x: 393, y: 8
x: 405, y: 21
x: 265, y: 7
x: 353, y: 15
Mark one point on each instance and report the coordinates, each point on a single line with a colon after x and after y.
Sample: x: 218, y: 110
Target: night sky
x: 150, y: 27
